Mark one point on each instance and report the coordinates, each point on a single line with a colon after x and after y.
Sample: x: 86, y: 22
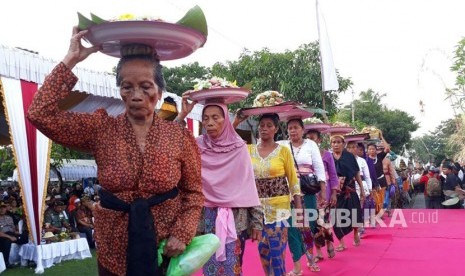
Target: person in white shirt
x: 309, y: 162
x: 89, y: 190
x: 364, y: 171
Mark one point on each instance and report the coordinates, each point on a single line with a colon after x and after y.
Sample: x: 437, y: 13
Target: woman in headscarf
x: 231, y: 205
x: 277, y: 184
x: 348, y: 202
x: 309, y: 162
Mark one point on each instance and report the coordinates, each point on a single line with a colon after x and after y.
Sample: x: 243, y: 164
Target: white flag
x: 328, y: 71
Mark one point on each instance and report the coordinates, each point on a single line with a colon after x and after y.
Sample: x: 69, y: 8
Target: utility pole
x: 353, y: 107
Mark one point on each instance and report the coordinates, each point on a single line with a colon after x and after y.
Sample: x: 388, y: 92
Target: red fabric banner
x: 28, y: 89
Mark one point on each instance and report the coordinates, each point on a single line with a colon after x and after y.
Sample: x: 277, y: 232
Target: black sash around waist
x: 141, y: 254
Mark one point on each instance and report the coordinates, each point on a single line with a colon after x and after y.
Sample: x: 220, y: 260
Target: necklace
x: 300, y: 143
x: 298, y: 148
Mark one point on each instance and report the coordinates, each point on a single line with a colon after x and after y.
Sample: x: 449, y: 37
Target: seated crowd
x: 13, y: 227
x: 71, y: 212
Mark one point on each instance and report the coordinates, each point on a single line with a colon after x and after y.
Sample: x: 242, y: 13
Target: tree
x: 59, y: 154
x: 296, y: 74
x: 180, y: 79
x: 396, y: 125
x: 458, y: 92
x: 366, y: 106
x: 457, y: 139
x: 420, y: 149
x: 7, y: 162
x: 434, y: 146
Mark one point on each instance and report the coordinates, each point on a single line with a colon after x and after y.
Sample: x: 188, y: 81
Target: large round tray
x: 171, y: 41
x: 356, y: 137
x: 318, y: 127
x: 221, y: 95
x: 339, y: 130
x: 295, y: 113
x: 254, y: 111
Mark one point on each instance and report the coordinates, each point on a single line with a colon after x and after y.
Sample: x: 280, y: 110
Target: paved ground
x: 419, y: 201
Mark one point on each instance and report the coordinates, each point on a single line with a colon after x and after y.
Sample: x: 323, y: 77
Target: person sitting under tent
x: 84, y: 221
x: 8, y: 234
x: 55, y: 220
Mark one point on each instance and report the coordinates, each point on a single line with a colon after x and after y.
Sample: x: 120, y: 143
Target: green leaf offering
x: 195, y: 19
x: 84, y: 22
x: 96, y: 19
x: 247, y: 86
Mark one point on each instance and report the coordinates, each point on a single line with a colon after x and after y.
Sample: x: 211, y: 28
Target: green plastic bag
x: 197, y: 253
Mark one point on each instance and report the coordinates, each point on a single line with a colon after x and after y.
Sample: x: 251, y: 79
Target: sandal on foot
x: 340, y: 248
x: 293, y: 273
x: 313, y: 267
x: 357, y: 241
x: 331, y: 253
x: 319, y: 258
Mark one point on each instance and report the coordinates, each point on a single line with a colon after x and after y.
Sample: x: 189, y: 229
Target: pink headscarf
x: 227, y: 179
x: 227, y: 174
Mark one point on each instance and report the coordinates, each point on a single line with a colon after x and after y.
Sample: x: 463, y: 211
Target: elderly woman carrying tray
x: 308, y: 161
x: 348, y: 202
x: 314, y: 128
x: 355, y: 146
x: 277, y: 184
x: 149, y: 168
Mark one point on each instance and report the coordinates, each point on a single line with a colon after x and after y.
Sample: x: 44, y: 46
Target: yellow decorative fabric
x: 276, y: 209
x: 279, y: 163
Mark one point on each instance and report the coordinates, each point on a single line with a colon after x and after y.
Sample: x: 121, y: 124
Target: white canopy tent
x: 72, y: 170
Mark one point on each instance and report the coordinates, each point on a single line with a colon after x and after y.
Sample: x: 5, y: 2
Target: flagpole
x: 325, y: 117
x: 329, y: 80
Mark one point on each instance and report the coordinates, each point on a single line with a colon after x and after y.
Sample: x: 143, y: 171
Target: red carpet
x: 433, y: 243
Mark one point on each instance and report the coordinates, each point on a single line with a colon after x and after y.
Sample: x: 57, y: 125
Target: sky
x: 401, y: 48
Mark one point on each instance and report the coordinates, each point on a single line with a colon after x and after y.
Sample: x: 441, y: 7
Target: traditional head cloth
x: 227, y: 173
x: 335, y: 135
x: 227, y: 178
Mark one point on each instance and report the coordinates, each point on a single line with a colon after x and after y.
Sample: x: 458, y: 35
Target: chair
x: 14, y: 257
